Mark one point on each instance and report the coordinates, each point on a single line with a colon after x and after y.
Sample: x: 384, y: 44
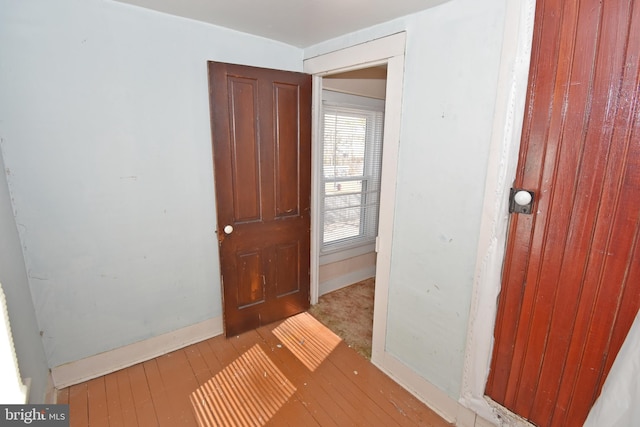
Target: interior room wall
x: 451, y: 78
x: 104, y: 120
x: 13, y: 276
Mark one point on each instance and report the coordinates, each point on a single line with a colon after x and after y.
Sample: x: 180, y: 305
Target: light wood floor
x: 291, y: 373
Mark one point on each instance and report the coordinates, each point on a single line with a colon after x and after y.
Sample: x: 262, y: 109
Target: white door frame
x: 387, y: 50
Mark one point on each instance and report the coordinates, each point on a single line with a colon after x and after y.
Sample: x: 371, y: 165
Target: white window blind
x: 352, y: 155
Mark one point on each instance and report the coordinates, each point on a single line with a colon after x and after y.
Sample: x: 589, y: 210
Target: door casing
x: 387, y: 50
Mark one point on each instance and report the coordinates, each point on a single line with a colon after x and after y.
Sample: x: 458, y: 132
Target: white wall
x: 104, y: 120
x: 451, y: 80
x: 451, y: 69
x: 13, y: 277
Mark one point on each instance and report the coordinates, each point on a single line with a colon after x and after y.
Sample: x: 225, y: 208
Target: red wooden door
x: 571, y: 278
x: 261, y: 127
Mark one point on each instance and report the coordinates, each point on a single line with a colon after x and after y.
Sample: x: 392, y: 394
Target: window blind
x: 352, y: 155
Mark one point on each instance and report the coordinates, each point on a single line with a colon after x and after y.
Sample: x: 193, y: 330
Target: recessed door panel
x: 287, y: 149
x: 250, y: 279
x: 244, y: 148
x: 287, y: 262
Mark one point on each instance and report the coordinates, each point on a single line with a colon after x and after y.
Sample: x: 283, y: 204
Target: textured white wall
x: 451, y: 78
x: 104, y: 120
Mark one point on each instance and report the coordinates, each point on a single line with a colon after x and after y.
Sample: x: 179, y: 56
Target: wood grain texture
x: 570, y: 280
x: 252, y: 379
x: 261, y: 139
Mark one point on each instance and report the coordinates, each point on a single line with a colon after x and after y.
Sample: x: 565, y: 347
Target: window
x: 352, y: 155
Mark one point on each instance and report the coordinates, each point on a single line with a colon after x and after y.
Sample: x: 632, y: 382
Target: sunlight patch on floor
x: 248, y: 392
x: 309, y: 340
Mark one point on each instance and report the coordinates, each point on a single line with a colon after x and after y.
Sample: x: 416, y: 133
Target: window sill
x: 346, y: 253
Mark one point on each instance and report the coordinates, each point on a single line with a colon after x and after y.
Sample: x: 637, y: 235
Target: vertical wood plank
x: 145, y: 411
x: 567, y: 301
x: 113, y: 399
x: 97, y: 402
x: 316, y: 392
x: 127, y: 404
x: 62, y: 396
x: 180, y: 382
x: 78, y: 405
x: 161, y: 400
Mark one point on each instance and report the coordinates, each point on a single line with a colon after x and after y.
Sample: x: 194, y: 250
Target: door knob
x: 521, y: 201
x: 228, y: 229
x: 522, y: 197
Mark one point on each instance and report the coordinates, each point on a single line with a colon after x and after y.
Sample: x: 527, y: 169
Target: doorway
x: 351, y: 134
x: 390, y: 51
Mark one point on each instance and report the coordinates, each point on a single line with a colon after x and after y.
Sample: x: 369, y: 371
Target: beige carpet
x: 348, y: 312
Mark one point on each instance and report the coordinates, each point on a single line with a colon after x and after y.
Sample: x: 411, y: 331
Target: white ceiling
x: 300, y: 23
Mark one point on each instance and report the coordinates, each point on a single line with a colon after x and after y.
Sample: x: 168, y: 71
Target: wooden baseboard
x: 122, y: 357
x: 443, y: 404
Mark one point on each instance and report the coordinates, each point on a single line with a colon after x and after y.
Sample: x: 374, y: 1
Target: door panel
x: 244, y: 149
x: 287, y: 260
x: 287, y: 162
x: 261, y: 127
x: 570, y: 280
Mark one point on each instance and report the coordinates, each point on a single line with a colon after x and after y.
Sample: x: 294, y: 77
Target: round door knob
x: 228, y: 229
x: 523, y: 198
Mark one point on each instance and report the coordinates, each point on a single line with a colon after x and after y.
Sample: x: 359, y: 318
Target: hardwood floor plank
x: 209, y: 357
x: 180, y: 382
x: 210, y: 396
x: 313, y: 344
x: 78, y: 405
x: 97, y: 402
x: 223, y: 350
x: 251, y: 342
x: 127, y: 404
x: 198, y: 364
x: 254, y: 379
x: 62, y: 396
x: 388, y: 394
x: 294, y: 414
x: 161, y: 402
x: 349, y: 390
x: 145, y: 411
x: 113, y: 399
x: 320, y: 403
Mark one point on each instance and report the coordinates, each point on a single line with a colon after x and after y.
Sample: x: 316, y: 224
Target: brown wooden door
x: 571, y: 278
x: 261, y: 127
